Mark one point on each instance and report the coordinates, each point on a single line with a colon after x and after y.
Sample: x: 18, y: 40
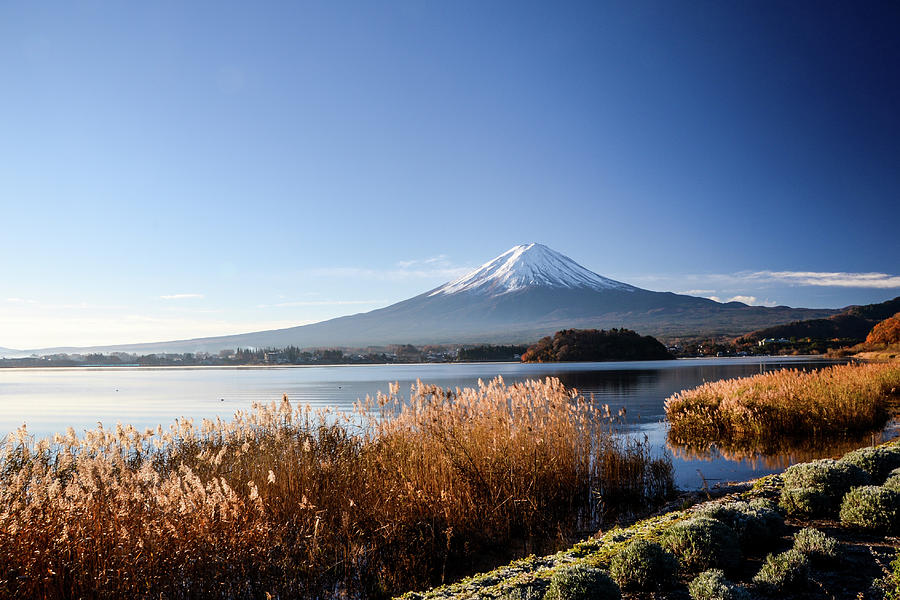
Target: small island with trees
x: 588, y: 345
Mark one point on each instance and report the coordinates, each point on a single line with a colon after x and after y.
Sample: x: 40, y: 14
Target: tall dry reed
x: 763, y: 411
x: 284, y: 501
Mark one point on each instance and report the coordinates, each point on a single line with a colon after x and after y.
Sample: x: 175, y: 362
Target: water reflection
x: 779, y: 456
x: 607, y: 383
x: 50, y: 400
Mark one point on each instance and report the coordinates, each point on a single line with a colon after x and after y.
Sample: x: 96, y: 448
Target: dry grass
x: 763, y: 411
x: 291, y: 503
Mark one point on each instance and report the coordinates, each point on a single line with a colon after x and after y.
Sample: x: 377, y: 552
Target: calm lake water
x: 49, y: 400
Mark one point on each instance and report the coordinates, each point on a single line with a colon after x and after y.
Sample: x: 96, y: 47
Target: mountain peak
x: 529, y: 265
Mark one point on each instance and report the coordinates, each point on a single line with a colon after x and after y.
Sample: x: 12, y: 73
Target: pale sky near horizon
x: 172, y: 170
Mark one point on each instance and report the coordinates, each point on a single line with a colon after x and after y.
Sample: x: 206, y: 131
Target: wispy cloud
x: 707, y: 283
x: 320, y: 303
x: 829, y: 279
x: 181, y: 296
x: 439, y: 260
x: 21, y: 301
x: 430, y: 268
x: 438, y: 267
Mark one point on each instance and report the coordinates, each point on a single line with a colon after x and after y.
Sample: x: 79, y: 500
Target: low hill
x: 853, y: 323
x: 876, y: 312
x: 588, y: 345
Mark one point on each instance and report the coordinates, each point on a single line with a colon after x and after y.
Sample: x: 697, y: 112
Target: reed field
x: 765, y: 411
x: 285, y: 502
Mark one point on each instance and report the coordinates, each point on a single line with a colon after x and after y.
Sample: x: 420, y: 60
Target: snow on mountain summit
x: 525, y: 266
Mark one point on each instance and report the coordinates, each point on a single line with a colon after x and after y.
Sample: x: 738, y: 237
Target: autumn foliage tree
x: 886, y: 332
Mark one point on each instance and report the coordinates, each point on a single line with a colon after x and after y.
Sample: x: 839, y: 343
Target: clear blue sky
x: 176, y: 169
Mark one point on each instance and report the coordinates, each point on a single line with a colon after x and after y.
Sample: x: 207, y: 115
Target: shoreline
x: 597, y: 550
x: 748, y: 359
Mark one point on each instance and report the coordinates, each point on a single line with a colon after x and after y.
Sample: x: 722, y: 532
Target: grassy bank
x: 284, y: 501
x: 824, y: 530
x: 762, y: 411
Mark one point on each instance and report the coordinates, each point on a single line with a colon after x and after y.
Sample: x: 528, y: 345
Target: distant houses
x: 276, y: 357
x: 765, y: 341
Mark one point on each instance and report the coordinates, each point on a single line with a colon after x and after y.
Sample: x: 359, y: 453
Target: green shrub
x: 893, y: 481
x: 764, y: 503
x: 524, y: 592
x: 876, y: 462
x: 815, y: 488
x: 872, y: 507
x: 785, y: 572
x: 712, y: 585
x: 754, y: 524
x: 829, y: 475
x: 807, y: 502
x: 890, y: 583
x: 702, y: 543
x: 644, y: 566
x: 815, y: 544
x: 581, y: 582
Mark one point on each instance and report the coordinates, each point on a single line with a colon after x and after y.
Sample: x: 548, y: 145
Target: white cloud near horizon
x: 829, y: 279
x: 749, y: 300
x: 799, y: 278
x: 181, y: 296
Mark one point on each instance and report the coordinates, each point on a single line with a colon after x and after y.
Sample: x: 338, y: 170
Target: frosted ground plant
x: 890, y: 583
x: 878, y: 462
x: 806, y: 502
x: 785, y: 572
x: 816, y: 488
x: 581, y: 582
x: 524, y: 592
x: 754, y: 524
x: 830, y: 476
x: 872, y: 507
x: 702, y: 543
x: 712, y: 585
x: 644, y: 566
x: 816, y: 545
x: 893, y: 480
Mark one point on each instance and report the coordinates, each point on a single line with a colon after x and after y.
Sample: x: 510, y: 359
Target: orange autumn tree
x: 886, y: 332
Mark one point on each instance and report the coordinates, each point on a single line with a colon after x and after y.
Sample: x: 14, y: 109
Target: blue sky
x: 171, y: 170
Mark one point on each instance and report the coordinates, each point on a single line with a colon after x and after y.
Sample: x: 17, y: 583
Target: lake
x: 49, y: 400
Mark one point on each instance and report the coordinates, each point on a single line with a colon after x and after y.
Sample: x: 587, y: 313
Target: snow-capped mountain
x: 527, y: 292
x: 529, y: 265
